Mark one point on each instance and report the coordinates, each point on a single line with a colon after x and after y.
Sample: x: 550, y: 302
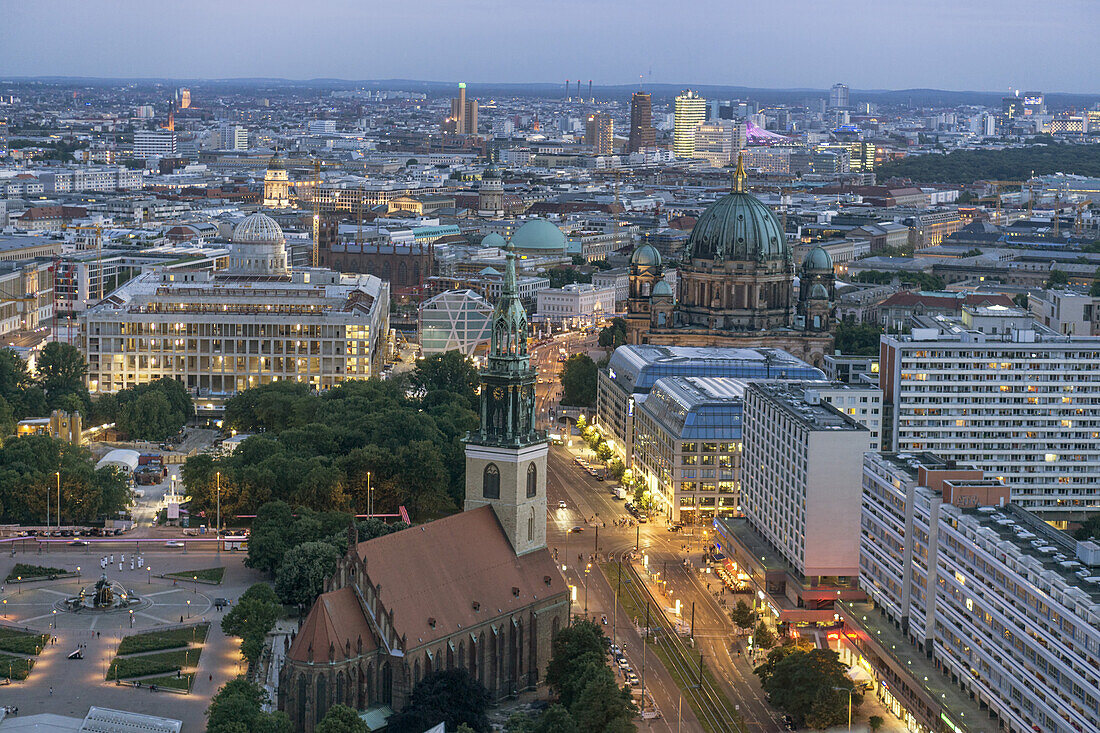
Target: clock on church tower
x: 506, y: 456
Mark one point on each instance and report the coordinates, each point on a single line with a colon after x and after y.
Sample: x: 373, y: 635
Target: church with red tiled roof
x: 477, y: 590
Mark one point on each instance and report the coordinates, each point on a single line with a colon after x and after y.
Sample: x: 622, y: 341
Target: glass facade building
x: 457, y: 320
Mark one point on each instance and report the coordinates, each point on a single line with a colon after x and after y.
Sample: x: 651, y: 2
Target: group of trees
x: 299, y: 549
x: 29, y: 468
x: 588, y: 697
x: 924, y: 280
x: 578, y: 381
x: 449, y: 696
x: 316, y: 450
x: 154, y: 411
x: 1008, y: 164
x: 810, y: 685
x: 614, y: 335
x: 236, y: 708
x: 857, y: 338
x: 251, y: 618
x: 560, y: 276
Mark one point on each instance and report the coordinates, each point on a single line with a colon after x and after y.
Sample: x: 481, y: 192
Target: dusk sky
x: 988, y: 45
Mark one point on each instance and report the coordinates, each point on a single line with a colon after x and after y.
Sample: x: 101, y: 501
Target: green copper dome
x: 818, y: 292
x: 818, y: 259
x: 646, y: 256
x: 738, y: 227
x: 538, y: 234
x: 492, y: 239
x: 662, y: 290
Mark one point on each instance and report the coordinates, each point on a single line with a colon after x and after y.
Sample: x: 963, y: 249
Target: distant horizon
x: 919, y: 44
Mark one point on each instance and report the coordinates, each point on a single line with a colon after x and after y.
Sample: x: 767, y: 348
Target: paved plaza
x: 69, y: 687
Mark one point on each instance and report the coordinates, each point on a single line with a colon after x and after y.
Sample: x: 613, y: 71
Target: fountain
x: 104, y: 596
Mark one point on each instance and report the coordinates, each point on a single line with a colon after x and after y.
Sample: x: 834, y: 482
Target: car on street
x: 79, y: 543
x: 632, y: 678
x: 623, y: 664
x: 174, y: 543
x: 576, y: 529
x: 562, y: 505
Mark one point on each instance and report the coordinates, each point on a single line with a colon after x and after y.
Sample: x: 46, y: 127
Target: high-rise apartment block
x: 154, y: 144
x: 690, y: 110
x: 642, y: 133
x: 1000, y: 392
x: 234, y: 137
x: 1004, y: 608
x: 839, y: 97
x: 463, y: 119
x: 599, y: 133
x: 719, y: 141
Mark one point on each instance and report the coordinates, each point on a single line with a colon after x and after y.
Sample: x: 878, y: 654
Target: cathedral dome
x: 538, y: 234
x: 738, y: 227
x: 276, y: 163
x: 493, y: 240
x: 818, y: 259
x: 662, y: 289
x: 259, y: 228
x: 646, y: 256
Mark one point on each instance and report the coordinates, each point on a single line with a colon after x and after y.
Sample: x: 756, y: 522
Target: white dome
x: 259, y: 228
x: 259, y: 247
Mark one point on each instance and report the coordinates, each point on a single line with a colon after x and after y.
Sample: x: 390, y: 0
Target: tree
x: 303, y: 572
x: 763, y: 637
x: 1057, y: 278
x: 578, y: 381
x: 236, y: 708
x: 614, y: 335
x: 61, y: 370
x: 582, y: 424
x: 1089, y: 529
x: 154, y: 411
x: 601, y: 705
x: 450, y: 371
x: 804, y: 685
x: 743, y: 615
x: 341, y: 719
x: 603, y: 451
x: 857, y: 338
x: 875, y: 722
x: 251, y: 618
x: 449, y: 696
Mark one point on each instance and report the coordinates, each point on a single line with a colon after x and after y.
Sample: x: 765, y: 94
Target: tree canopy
x: 154, y: 411
x: 61, y: 369
x: 809, y: 685
x: 1008, y: 164
x: 236, y: 708
x: 861, y: 339
x: 613, y: 335
x: 449, y: 696
x: 924, y: 280
x: 315, y: 450
x: 251, y: 618
x: 302, y: 574
x: 341, y: 719
x: 578, y: 381
x: 27, y: 471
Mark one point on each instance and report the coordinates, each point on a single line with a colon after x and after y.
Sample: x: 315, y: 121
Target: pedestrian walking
x: 51, y: 690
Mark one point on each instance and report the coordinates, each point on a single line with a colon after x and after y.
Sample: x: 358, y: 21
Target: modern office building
x: 155, y: 144
x: 322, y: 127
x: 800, y: 494
x: 1005, y: 607
x: 634, y: 370
x: 255, y: 322
x: 463, y: 119
x: 717, y: 142
x: 1005, y: 395
x: 839, y: 97
x: 599, y: 133
x: 457, y: 320
x: 642, y: 133
x: 26, y: 295
x: 234, y: 137
x: 1066, y: 311
x: 690, y: 109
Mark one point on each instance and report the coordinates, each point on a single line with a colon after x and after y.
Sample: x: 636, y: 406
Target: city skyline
x: 977, y: 49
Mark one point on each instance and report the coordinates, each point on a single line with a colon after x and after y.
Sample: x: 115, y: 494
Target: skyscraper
x: 599, y: 133
x: 642, y: 133
x: 690, y: 110
x: 838, y: 96
x: 185, y: 98
x: 463, y: 113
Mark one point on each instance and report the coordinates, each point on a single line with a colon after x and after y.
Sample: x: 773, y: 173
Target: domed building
x: 276, y: 184
x: 538, y: 237
x: 735, y: 286
x: 490, y: 195
x: 258, y: 247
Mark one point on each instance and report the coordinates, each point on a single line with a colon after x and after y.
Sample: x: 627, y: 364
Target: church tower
x: 506, y: 456
x: 276, y: 184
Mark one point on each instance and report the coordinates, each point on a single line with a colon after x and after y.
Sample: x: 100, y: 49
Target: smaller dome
x: 818, y: 259
x: 258, y: 228
x: 662, y: 290
x: 491, y: 173
x: 538, y: 234
x: 818, y: 292
x: 646, y: 256
x: 493, y: 240
x: 276, y: 163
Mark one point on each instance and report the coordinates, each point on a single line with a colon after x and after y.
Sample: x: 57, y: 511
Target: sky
x: 976, y: 45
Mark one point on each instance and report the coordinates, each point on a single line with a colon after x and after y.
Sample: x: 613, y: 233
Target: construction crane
x: 1079, y: 219
x: 316, y: 212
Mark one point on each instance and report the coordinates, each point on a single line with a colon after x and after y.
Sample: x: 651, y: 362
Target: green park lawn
x: 17, y: 667
x: 183, y: 682
x: 21, y: 642
x: 209, y: 575
x: 26, y: 572
x: 157, y: 640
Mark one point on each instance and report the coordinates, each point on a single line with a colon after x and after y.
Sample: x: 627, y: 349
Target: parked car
x: 562, y: 505
x: 79, y: 543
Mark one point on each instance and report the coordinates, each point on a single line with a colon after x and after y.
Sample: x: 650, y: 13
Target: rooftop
x: 802, y: 402
x: 637, y: 368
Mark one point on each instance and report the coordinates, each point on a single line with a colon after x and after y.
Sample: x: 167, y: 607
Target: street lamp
x: 218, y: 531
x: 370, y: 509
x: 58, y: 473
x: 587, y: 570
x: 149, y: 573
x: 188, y: 608
x: 849, y: 690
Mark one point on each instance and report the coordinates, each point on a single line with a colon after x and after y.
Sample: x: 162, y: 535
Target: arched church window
x: 532, y: 481
x: 490, y: 486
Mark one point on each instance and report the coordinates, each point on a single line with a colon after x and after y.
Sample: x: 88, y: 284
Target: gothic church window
x: 490, y: 487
